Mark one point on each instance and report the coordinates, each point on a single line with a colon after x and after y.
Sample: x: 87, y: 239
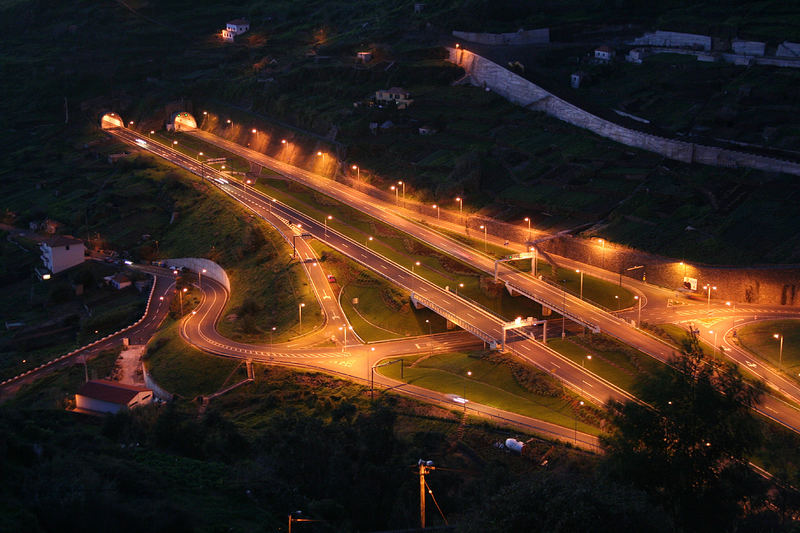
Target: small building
x: 576, y: 78
x: 395, y: 95
x: 119, y: 281
x: 61, y: 252
x: 604, y: 53
x: 234, y: 28
x: 364, y: 57
x: 637, y: 55
x: 427, y: 130
x: 103, y: 396
x: 418, y: 7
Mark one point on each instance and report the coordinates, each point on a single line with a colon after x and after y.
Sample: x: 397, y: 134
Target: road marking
x: 587, y: 383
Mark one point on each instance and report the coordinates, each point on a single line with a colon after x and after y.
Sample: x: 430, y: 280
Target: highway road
x: 541, y: 291
x: 483, y: 323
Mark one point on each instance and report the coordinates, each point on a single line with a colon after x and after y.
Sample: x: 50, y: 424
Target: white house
x: 234, y: 28
x: 61, y: 252
x: 398, y: 95
x: 103, y: 396
x: 603, y: 53
x: 119, y: 281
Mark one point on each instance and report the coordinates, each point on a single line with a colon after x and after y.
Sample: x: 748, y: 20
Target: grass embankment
x: 497, y: 381
x: 759, y: 339
x: 383, y: 310
x: 182, y: 369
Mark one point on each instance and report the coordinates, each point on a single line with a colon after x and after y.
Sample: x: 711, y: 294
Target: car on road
x: 331, y: 278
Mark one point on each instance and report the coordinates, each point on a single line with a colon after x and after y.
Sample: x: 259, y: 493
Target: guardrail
x: 466, y: 326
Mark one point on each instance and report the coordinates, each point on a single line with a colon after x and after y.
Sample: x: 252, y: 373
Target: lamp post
x: 483, y: 227
x: 271, y: 331
x: 709, y: 288
x: 436, y: 206
x: 618, y: 302
x: 345, y: 328
x: 603, y: 253
x: 174, y: 143
x: 563, y: 309
x: 229, y: 122
x: 300, y: 315
x: 780, y: 350
x: 358, y: 171
x: 396, y: 199
x: 469, y: 373
x: 180, y: 293
x: 588, y: 358
x: 366, y: 243
x: 581, y: 273
x: 576, y: 423
x: 416, y: 263
x: 327, y: 218
x: 403, y: 184
x: 152, y: 132
x: 528, y: 220
x: 322, y: 155
x: 460, y: 207
x: 461, y: 285
x: 200, y: 277
x: 639, y: 314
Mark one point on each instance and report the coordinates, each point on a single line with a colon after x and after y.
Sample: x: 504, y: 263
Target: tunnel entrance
x: 111, y: 120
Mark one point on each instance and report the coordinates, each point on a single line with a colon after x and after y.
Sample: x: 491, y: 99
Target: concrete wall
x: 539, y: 36
x: 151, y: 384
x: 527, y: 94
x: 672, y: 38
x: 748, y: 48
x: 787, y: 49
x: 197, y: 264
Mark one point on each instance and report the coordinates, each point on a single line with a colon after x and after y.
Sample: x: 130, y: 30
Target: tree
x: 687, y: 442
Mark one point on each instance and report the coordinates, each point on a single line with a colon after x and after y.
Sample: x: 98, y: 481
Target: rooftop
x: 110, y: 391
x: 239, y: 22
x: 61, y: 240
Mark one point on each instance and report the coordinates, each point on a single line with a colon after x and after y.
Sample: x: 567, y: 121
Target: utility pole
x: 425, y: 467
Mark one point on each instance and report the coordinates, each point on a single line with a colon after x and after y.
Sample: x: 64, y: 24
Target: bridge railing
x: 455, y: 319
x: 560, y: 309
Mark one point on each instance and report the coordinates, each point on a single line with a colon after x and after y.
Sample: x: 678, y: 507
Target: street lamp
x: 460, y: 285
x: 270, y: 334
x: 581, y: 272
x: 327, y: 218
x: 528, y: 220
x: 460, y: 207
x: 603, y: 257
x: 300, y: 314
x: 152, y: 132
x: 780, y: 352
x: 396, y: 200
x: 412, y: 268
x: 345, y: 328
x: 639, y: 314
x: 181, y: 298
x: 436, y: 206
x: 563, y: 309
x: 714, y: 352
x: 469, y: 373
x: 229, y: 122
x: 358, y: 171
x: 200, y: 277
x: 369, y: 239
x: 484, y: 236
x: 710, y: 288
x: 618, y: 302
x: 588, y: 358
x: 403, y: 184
x: 576, y: 423
x: 322, y: 155
x: 174, y: 143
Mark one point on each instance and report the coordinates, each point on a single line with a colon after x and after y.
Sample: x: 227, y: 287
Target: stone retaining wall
x: 197, y: 264
x: 539, y: 36
x: 527, y: 94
